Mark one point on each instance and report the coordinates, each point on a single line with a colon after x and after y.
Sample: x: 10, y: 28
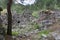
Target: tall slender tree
x: 9, y: 27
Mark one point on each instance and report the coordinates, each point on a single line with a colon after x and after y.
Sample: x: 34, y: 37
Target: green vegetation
x: 46, y: 32
x: 15, y: 33
x: 40, y: 4
x: 35, y: 14
x: 35, y: 25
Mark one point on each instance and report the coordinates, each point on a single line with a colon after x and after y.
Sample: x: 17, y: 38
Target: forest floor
x: 28, y: 27
x: 53, y: 36
x: 55, y: 26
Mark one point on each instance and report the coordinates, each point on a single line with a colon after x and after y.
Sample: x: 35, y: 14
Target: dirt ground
x: 55, y: 26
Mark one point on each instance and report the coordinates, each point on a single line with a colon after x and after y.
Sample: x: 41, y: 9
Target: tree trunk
x: 0, y: 17
x: 9, y: 27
